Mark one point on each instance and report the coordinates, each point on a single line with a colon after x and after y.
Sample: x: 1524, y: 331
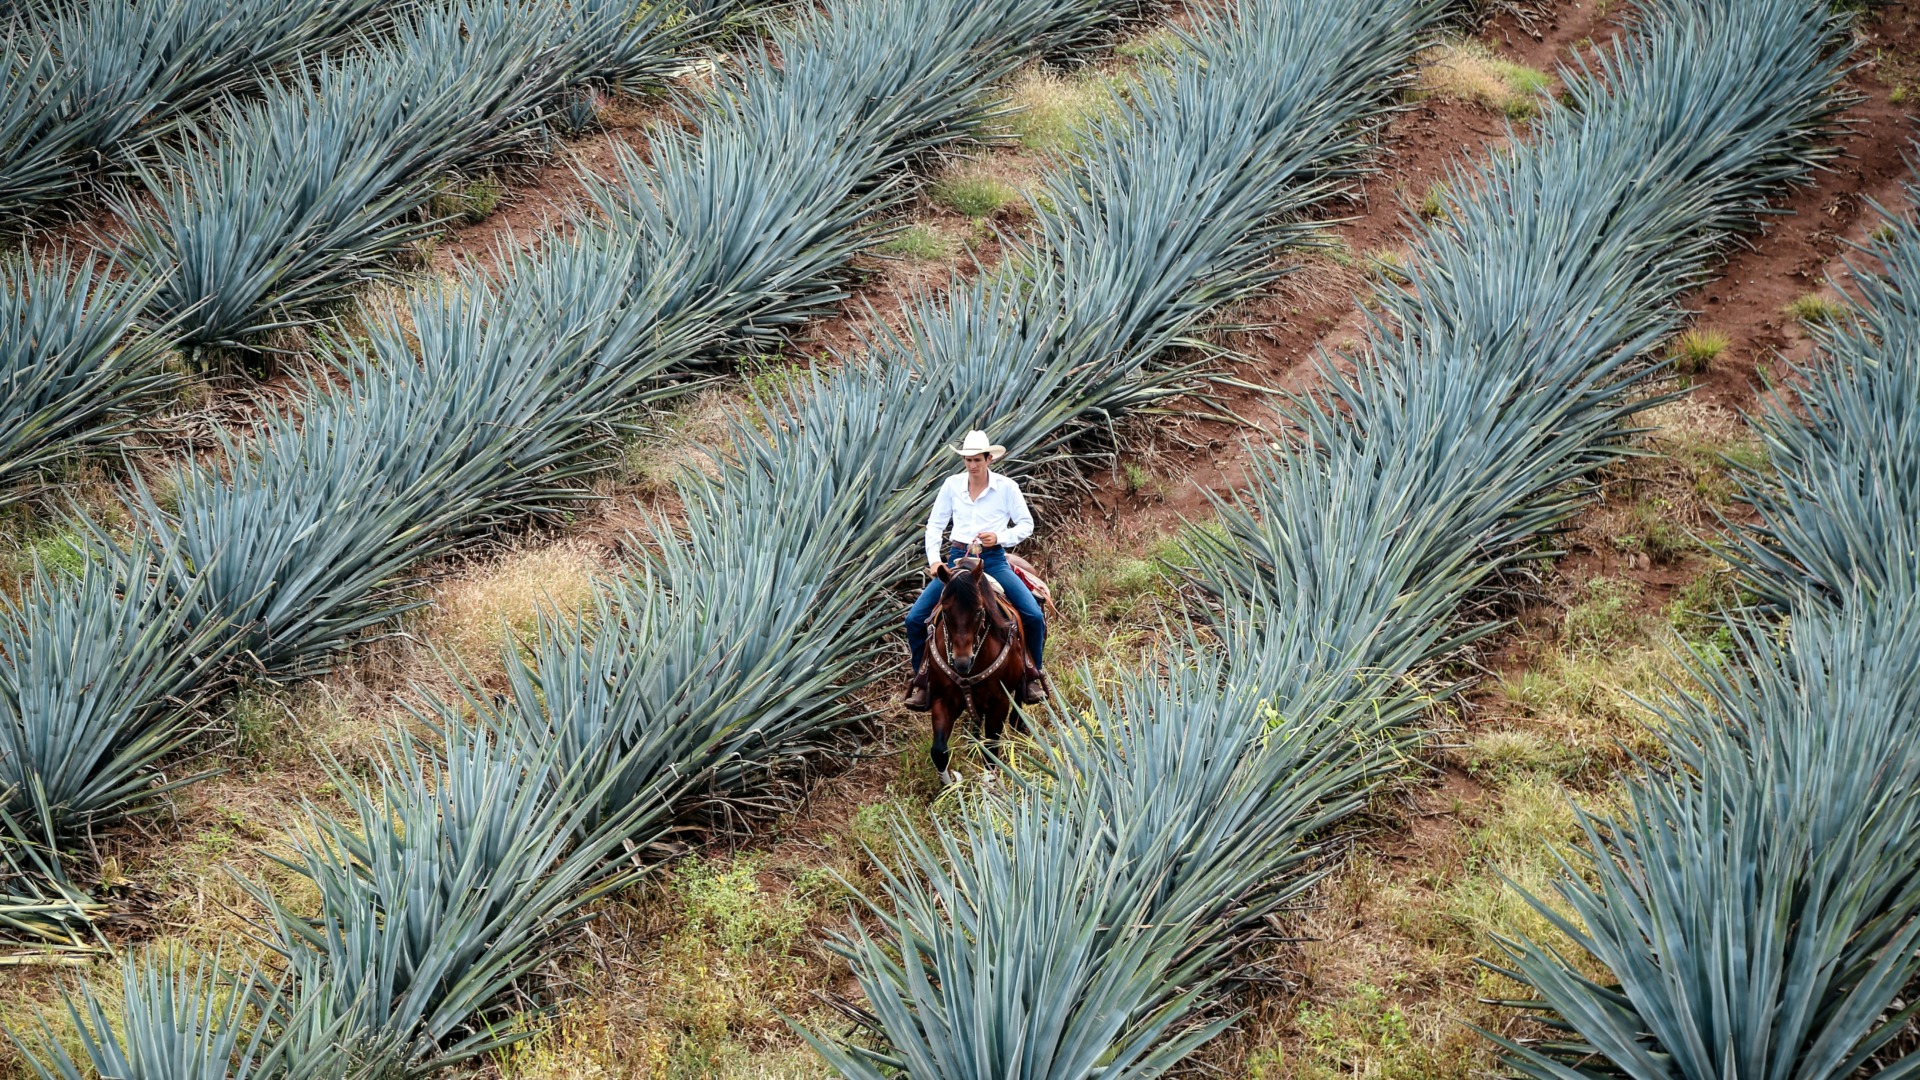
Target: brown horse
x: 976, y: 657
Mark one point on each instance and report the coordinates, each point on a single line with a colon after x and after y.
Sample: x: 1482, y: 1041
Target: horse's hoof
x: 950, y: 777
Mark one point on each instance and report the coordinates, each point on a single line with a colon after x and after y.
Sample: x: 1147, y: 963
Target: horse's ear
x: 943, y: 572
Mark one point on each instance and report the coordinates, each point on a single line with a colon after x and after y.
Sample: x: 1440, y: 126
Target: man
x: 987, y: 509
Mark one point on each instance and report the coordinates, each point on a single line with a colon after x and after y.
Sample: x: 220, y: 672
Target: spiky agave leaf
x: 1094, y: 911
x: 1182, y: 769
x: 1482, y: 418
x: 1388, y: 614
x: 1172, y: 210
x: 855, y: 447
x: 671, y: 699
x: 42, y: 132
x: 187, y: 1021
x: 44, y: 917
x: 297, y: 541
x: 71, y: 361
x: 789, y: 158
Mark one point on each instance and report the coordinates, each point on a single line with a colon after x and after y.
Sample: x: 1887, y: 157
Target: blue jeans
x: 994, y: 561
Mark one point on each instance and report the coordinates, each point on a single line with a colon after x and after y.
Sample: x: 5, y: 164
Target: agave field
x: 1489, y: 630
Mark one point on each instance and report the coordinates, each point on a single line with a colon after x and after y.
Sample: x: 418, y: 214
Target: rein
x: 938, y: 653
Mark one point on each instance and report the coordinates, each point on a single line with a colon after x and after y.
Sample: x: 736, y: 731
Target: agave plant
x: 1756, y: 902
x: 769, y: 193
x: 1075, y: 929
x: 456, y: 875
x: 72, y: 361
x: 42, y: 913
x: 100, y: 676
x: 1342, y: 569
x: 516, y: 382
x: 855, y: 448
x: 42, y: 134
x: 1839, y: 511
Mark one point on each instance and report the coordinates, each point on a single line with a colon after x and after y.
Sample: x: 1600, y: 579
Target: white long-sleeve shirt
x: 1000, y: 509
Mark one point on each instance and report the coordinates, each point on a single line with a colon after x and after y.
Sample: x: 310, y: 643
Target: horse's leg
x: 1014, y: 712
x: 942, y: 729
x: 995, y: 704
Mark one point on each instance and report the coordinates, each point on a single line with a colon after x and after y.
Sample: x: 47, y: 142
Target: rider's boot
x: 918, y: 698
x: 1033, y: 688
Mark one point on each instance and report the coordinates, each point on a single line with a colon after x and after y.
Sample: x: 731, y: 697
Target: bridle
x: 939, y: 650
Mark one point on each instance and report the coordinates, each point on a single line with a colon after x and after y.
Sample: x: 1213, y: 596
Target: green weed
x: 1654, y: 532
x: 973, y: 196
x: 1467, y: 70
x: 922, y: 242
x: 1813, y: 309
x: 1154, y: 46
x: 1696, y: 607
x: 1514, y: 845
x: 1054, y: 109
x: 255, y: 716
x: 1693, y: 351
x: 1364, y: 1034
x: 772, y: 376
x: 61, y: 551
x: 1386, y: 264
x: 470, y: 203
x: 725, y: 906
x: 1504, y: 754
x: 1138, y: 479
x: 1603, y: 617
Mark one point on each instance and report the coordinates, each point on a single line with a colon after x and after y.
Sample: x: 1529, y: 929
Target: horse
x: 976, y: 657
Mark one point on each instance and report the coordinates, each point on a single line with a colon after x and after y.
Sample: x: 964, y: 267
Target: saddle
x: 1030, y: 578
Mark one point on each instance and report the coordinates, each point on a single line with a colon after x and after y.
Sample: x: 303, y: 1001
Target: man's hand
x: 987, y: 539
x: 933, y: 569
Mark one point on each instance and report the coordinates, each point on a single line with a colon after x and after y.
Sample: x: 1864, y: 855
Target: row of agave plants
x: 732, y: 655
x: 265, y: 208
x: 273, y: 207
x: 1087, y: 923
x: 466, y: 405
x: 87, y: 83
x: 1755, y: 899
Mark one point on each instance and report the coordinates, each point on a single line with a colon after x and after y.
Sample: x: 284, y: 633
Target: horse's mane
x: 979, y: 594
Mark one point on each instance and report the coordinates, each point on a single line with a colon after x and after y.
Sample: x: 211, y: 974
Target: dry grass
x: 1816, y: 309
x: 473, y: 614
x: 1053, y: 107
x: 691, y: 435
x: 1469, y: 71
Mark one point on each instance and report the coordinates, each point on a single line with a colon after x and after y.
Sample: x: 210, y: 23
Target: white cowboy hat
x: 976, y: 443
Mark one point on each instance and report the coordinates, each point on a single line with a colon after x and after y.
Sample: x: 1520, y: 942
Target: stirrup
x: 1033, y: 688
x: 919, y: 698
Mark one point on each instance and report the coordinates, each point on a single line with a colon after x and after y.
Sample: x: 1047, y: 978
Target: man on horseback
x: 985, y: 509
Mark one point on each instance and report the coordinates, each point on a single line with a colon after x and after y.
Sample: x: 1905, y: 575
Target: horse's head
x: 962, y: 601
